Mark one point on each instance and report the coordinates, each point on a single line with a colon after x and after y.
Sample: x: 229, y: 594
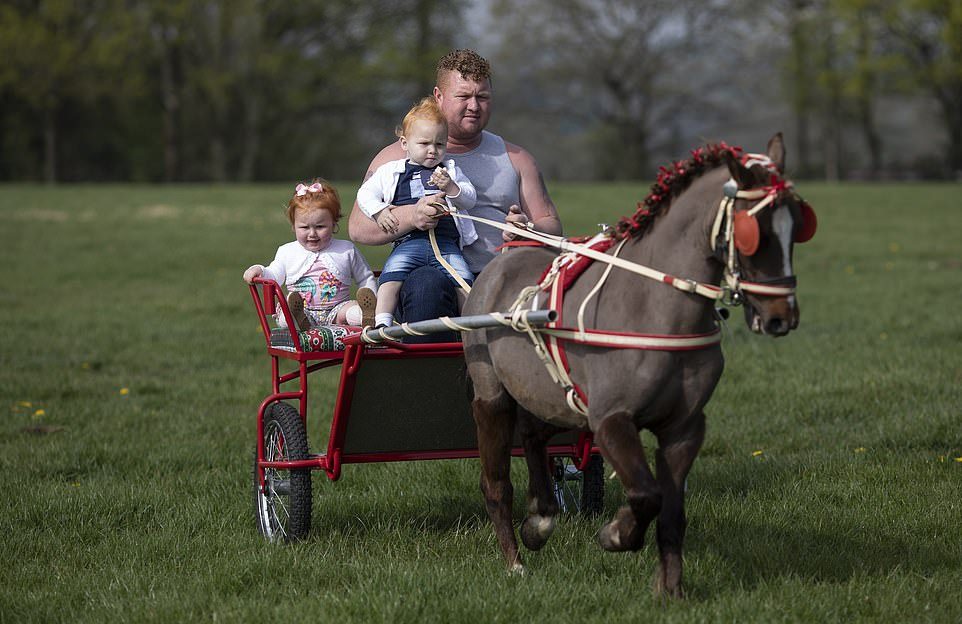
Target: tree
x: 60, y: 53
x: 616, y: 67
x: 929, y: 35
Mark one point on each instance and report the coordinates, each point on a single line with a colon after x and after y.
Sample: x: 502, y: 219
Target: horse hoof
x: 611, y: 539
x: 516, y: 569
x: 660, y: 590
x: 535, y: 531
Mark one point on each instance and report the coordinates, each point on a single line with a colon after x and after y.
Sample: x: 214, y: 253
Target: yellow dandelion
x: 124, y: 391
x: 894, y: 247
x: 24, y: 404
x: 39, y: 413
x: 959, y: 459
x: 860, y: 449
x: 757, y: 453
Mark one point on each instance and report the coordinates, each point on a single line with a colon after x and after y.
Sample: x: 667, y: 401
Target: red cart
x: 429, y: 417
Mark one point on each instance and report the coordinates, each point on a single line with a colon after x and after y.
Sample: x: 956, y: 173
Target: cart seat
x: 320, y: 338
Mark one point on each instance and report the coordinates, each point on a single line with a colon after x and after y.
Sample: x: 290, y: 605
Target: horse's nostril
x: 776, y: 327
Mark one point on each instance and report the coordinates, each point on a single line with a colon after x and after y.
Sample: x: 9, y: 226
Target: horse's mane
x: 671, y: 181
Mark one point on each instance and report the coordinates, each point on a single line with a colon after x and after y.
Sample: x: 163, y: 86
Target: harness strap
x: 447, y: 266
x: 437, y: 251
x: 685, y: 285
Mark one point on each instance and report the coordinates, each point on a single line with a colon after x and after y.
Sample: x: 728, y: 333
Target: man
x: 509, y: 186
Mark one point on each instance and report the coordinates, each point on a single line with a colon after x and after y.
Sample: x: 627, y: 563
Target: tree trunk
x: 866, y: 117
x: 218, y: 158
x: 950, y: 99
x: 801, y: 84
x: 831, y: 109
x: 50, y: 145
x: 170, y: 105
x: 251, y: 144
x: 422, y: 51
x: 865, y: 104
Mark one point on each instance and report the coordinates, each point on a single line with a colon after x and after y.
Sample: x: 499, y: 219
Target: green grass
x: 129, y: 335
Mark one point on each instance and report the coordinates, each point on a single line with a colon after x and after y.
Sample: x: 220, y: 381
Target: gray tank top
x: 492, y: 174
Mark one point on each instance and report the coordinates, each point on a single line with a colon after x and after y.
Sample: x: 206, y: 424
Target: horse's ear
x: 776, y: 151
x: 741, y: 175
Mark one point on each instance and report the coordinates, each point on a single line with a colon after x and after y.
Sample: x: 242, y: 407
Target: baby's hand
x: 252, y: 272
x: 442, y: 179
x: 387, y: 221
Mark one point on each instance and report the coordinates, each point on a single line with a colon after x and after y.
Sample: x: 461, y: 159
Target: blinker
x: 809, y: 223
x: 747, y: 235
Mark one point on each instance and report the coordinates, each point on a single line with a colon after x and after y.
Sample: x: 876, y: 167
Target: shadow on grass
x: 779, y: 522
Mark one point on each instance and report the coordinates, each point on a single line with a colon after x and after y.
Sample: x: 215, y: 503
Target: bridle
x: 737, y: 230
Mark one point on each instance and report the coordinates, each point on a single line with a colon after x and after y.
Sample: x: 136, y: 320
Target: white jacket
x: 377, y: 192
x: 341, y: 258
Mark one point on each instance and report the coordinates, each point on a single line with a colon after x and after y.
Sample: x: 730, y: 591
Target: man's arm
x: 364, y: 230
x: 536, y: 206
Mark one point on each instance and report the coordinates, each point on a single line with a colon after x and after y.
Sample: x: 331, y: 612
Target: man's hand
x: 514, y: 216
x: 425, y: 215
x: 387, y: 221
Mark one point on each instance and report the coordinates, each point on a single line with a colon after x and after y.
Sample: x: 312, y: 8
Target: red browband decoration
x: 671, y: 181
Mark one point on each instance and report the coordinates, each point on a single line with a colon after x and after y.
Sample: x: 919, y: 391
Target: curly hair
x: 427, y: 109
x: 468, y: 63
x: 324, y: 199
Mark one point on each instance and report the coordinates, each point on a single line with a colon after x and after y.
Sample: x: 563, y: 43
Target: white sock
x: 384, y: 318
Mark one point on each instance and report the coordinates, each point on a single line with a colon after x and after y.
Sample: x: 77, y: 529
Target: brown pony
x: 628, y: 389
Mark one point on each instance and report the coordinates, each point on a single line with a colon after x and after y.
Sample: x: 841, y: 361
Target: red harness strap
x: 568, y: 274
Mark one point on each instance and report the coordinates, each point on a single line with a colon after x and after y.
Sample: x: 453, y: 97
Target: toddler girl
x: 317, y: 268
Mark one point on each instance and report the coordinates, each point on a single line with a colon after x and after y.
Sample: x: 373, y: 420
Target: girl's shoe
x: 295, y: 302
x: 367, y: 301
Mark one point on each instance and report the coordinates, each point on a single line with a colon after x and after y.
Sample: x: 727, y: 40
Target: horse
x: 685, y: 225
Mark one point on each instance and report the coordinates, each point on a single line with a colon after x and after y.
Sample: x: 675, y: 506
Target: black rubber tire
x: 577, y: 491
x: 282, y: 509
x: 593, y: 487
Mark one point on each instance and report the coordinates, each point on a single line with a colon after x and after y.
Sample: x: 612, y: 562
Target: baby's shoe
x: 295, y: 302
x: 367, y: 301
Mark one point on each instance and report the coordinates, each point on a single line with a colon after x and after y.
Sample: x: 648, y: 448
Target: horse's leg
x: 675, y: 455
x: 617, y: 437
x: 495, y: 420
x: 542, y: 505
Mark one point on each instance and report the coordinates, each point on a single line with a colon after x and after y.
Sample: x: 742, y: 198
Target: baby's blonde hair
x: 427, y: 109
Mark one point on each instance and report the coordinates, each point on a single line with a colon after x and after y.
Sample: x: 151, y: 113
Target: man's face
x: 466, y: 104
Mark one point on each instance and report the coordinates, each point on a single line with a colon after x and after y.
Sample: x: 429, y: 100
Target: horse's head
x: 767, y: 219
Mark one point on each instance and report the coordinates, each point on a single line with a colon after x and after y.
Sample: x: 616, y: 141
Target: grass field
x: 132, y: 366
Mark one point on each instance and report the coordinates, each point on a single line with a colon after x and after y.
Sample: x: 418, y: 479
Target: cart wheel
x: 283, y: 504
x: 580, y: 491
